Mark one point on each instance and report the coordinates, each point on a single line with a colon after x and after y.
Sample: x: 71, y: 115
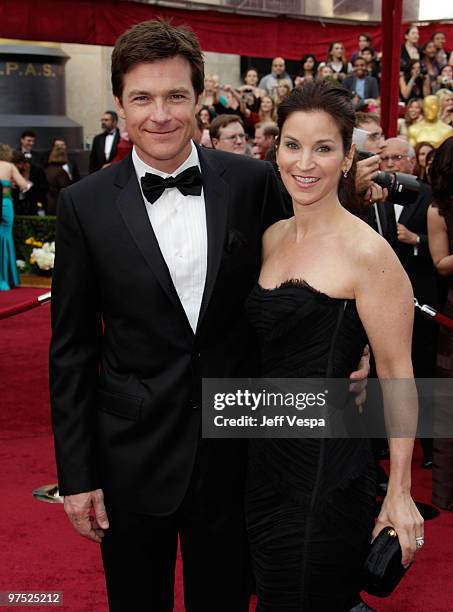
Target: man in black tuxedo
x: 27, y: 142
x: 148, y: 293
x: 105, y: 145
x: 409, y: 231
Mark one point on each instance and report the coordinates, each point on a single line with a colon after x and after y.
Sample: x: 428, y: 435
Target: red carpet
x: 39, y: 550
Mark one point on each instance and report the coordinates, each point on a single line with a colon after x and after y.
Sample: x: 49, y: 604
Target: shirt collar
x: 141, y: 168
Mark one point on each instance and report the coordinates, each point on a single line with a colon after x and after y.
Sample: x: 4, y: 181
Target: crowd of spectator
x: 425, y: 70
x: 243, y: 119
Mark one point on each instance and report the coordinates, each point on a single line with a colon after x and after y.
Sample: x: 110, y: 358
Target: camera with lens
x: 402, y: 188
x: 423, y: 70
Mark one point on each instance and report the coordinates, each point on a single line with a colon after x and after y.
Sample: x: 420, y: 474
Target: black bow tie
x: 188, y: 182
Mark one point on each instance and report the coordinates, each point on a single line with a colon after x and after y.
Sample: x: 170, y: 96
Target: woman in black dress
x: 327, y: 282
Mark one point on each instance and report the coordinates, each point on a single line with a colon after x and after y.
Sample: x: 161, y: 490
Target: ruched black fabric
x: 309, y: 502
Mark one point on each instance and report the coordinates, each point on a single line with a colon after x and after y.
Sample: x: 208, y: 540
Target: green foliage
x: 31, y: 226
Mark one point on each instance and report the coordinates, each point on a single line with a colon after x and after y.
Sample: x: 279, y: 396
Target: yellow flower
x: 37, y: 243
x: 32, y: 260
x: 30, y: 240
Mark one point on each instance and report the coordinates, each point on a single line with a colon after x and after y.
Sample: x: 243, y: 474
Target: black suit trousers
x: 139, y: 551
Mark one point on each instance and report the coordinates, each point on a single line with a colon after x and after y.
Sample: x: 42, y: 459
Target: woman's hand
x: 400, y: 512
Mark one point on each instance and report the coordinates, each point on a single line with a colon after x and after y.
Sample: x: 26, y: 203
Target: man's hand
x: 367, y: 170
x: 374, y: 193
x: 86, y: 511
x: 359, y: 378
x: 405, y: 235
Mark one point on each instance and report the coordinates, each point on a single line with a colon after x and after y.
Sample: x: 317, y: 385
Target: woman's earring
x: 345, y: 174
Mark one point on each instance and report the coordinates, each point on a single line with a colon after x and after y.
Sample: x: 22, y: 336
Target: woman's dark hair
x: 441, y: 175
x: 336, y: 102
x: 418, y: 170
x: 304, y: 59
x: 423, y: 49
x: 408, y: 69
x: 254, y: 70
x: 411, y: 27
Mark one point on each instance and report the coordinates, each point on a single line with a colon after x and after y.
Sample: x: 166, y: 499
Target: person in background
x: 439, y: 39
x: 445, y: 78
x: 283, y: 89
x: 409, y: 49
x: 27, y: 142
x: 210, y: 93
x: 421, y: 151
x: 71, y: 167
x: 411, y: 245
x: 429, y: 164
x: 360, y: 84
x: 227, y: 134
x: 265, y: 135
x: 430, y: 63
x: 104, y: 146
x: 251, y: 80
x: 57, y: 177
x: 325, y: 73
x: 231, y: 102
x: 124, y: 146
x: 373, y: 65
x: 440, y: 234
x: 309, y: 67
x: 34, y: 199
x: 412, y: 83
x: 364, y: 42
x: 445, y: 97
x: 205, y: 117
x: 9, y: 276
x: 336, y: 59
x: 414, y: 113
x: 270, y: 81
x: 266, y: 113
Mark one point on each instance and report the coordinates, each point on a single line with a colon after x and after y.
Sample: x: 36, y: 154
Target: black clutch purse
x: 382, y: 570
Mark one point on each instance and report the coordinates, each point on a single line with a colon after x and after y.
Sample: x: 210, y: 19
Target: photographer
x: 408, y: 225
x: 445, y: 79
x: 368, y: 138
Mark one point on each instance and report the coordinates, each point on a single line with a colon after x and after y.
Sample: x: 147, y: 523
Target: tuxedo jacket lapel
x: 407, y: 212
x: 132, y: 208
x: 216, y: 202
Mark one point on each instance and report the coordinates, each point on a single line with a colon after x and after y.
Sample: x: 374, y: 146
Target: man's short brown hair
x: 222, y: 121
x: 269, y: 128
x: 363, y: 118
x: 150, y: 41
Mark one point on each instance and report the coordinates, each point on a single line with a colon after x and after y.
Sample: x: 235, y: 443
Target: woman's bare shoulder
x: 274, y: 233
x: 365, y: 243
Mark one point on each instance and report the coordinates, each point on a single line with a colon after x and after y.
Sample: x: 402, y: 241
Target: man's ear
x: 198, y: 104
x: 215, y: 142
x: 119, y: 108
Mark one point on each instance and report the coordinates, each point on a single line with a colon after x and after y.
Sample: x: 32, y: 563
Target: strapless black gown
x: 309, y: 503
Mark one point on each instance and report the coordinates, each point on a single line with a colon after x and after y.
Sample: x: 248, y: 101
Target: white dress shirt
x: 179, y: 223
x: 108, y: 144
